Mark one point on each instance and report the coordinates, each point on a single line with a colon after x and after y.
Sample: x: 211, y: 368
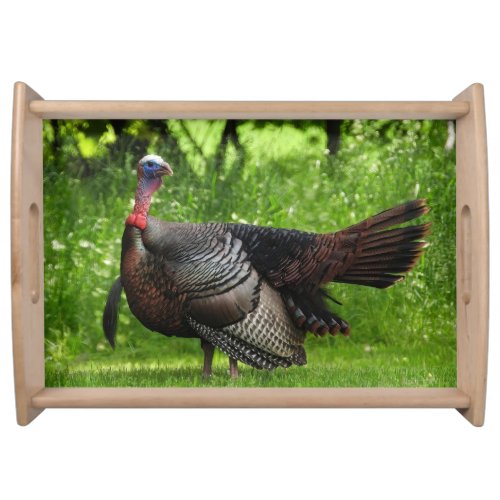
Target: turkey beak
x: 165, y: 169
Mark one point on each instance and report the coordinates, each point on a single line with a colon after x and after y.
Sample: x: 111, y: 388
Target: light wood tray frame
x: 32, y: 397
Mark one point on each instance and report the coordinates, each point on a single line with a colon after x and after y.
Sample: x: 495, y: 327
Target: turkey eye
x: 149, y: 163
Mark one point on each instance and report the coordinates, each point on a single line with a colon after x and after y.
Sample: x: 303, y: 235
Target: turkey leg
x: 233, y: 368
x: 208, y: 350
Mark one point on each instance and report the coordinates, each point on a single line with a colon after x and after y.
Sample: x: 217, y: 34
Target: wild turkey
x: 253, y: 292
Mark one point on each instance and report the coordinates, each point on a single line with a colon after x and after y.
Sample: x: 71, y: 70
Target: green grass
x: 332, y: 362
x: 349, y: 368
x: 330, y: 375
x: 283, y: 177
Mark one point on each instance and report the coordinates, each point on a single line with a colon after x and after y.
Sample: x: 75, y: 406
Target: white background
x: 350, y: 50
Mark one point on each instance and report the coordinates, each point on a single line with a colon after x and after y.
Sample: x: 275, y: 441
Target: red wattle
x: 137, y: 220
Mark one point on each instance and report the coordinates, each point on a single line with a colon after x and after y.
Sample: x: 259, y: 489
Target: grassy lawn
x: 350, y: 366
x: 341, y: 375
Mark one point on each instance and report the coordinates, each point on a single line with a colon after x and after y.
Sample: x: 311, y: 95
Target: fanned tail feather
x: 384, y: 255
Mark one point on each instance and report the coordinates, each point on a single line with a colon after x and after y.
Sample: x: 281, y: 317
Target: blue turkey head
x: 153, y: 166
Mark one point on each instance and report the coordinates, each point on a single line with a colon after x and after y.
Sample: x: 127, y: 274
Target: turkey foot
x: 208, y: 350
x: 233, y: 368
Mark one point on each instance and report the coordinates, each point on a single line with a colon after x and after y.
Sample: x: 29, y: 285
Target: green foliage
x: 278, y: 174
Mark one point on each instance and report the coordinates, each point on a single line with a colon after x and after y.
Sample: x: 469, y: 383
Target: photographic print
x: 249, y: 253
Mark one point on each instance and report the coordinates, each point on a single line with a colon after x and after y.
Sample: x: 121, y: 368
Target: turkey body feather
x: 254, y: 292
